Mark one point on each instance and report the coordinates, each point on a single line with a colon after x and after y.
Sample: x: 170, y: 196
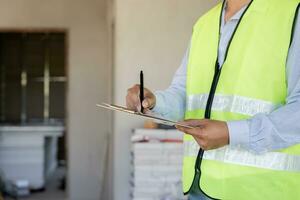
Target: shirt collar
x: 237, y: 15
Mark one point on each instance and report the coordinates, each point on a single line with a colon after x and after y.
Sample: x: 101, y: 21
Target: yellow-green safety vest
x: 252, y: 80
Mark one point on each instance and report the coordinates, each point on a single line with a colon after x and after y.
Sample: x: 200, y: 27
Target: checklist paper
x: 139, y: 114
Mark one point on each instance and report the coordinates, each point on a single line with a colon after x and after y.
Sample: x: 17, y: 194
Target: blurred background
x: 58, y: 59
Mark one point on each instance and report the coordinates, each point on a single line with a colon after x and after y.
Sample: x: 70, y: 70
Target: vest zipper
x: 212, y: 91
x: 207, y: 116
x: 210, y: 100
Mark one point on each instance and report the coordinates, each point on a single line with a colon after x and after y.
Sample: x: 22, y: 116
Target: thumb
x: 148, y: 103
x: 193, y: 122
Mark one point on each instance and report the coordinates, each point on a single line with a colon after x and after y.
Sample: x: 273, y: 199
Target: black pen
x: 142, y: 90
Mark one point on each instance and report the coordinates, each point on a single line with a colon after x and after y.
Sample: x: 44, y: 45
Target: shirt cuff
x: 239, y: 133
x: 159, y: 103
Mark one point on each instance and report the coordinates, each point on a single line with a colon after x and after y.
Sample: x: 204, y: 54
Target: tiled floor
x: 51, y: 193
x: 47, y: 195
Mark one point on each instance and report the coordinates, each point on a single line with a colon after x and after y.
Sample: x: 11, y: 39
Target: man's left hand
x: 209, y: 134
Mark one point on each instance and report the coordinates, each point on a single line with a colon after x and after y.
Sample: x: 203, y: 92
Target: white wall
x: 89, y: 79
x: 152, y: 34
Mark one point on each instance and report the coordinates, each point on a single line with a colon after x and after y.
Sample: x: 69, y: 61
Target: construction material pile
x: 156, y: 163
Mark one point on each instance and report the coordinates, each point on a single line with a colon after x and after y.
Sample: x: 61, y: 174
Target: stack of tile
x: 156, y: 164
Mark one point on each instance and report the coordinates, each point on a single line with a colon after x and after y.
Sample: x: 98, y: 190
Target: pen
x: 142, y: 90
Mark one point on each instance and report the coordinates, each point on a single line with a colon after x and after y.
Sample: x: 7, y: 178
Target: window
x: 32, y: 77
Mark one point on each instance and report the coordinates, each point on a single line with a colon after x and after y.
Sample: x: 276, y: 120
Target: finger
x: 138, y: 107
x: 198, y: 141
x: 180, y: 128
x: 134, y: 89
x: 129, y: 103
x: 190, y: 131
x: 194, y: 122
x: 133, y: 101
x: 202, y: 143
x: 195, y: 131
x: 148, y: 103
x: 191, y: 122
x: 135, y: 97
x: 147, y: 111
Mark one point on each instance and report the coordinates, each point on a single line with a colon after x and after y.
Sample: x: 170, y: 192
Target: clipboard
x: 147, y: 116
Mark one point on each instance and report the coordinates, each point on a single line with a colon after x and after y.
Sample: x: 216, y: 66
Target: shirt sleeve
x: 280, y: 128
x: 170, y: 103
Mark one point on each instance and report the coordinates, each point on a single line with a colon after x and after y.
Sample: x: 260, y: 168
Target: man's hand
x: 209, y: 134
x: 133, y: 99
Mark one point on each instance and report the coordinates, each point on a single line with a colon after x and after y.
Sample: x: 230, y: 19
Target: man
x: 239, y: 86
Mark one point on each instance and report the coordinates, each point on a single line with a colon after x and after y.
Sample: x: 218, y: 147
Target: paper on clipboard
x: 148, y: 116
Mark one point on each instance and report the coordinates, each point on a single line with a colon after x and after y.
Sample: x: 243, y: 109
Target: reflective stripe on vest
x: 273, y: 160
x: 227, y: 103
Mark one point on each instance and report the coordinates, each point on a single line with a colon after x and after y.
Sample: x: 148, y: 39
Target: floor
x: 52, y: 191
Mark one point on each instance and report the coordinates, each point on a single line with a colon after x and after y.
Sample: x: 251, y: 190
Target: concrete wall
x: 89, y: 79
x: 153, y: 36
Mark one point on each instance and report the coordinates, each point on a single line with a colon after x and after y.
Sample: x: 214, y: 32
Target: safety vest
x: 252, y: 80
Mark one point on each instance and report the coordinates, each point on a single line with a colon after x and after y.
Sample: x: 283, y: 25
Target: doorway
x: 33, y: 86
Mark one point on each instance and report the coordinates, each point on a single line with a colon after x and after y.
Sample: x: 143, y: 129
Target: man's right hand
x: 133, y: 99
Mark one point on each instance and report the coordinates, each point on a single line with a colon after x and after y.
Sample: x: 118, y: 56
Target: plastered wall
x: 89, y: 80
x: 153, y: 36
x: 149, y: 35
